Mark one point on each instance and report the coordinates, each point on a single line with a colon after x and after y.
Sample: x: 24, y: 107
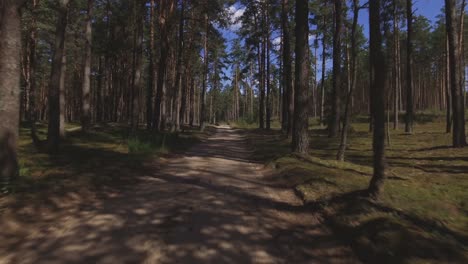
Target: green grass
x: 422, y: 215
x: 103, y: 156
x: 252, y: 124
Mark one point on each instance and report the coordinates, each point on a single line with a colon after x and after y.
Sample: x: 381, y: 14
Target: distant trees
x: 165, y: 63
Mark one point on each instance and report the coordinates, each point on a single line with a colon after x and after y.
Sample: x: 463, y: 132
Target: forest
x: 233, y: 131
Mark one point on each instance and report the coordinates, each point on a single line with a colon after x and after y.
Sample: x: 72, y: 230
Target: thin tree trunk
x: 448, y: 116
x: 192, y: 102
x: 409, y: 69
x: 322, y: 85
x: 268, y: 84
x: 354, y: 52
x: 287, y: 71
x: 86, y: 88
x: 151, y: 68
x: 137, y: 78
x: 62, y: 95
x: 178, y: 80
x: 396, y: 78
x: 202, y: 117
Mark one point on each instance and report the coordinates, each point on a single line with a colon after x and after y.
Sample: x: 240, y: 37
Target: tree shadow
x: 382, y: 234
x: 179, y: 212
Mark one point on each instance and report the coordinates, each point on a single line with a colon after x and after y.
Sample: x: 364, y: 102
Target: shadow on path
x: 211, y: 205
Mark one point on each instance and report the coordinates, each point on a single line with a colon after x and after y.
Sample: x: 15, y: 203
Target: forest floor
x: 422, y: 216
x: 209, y: 203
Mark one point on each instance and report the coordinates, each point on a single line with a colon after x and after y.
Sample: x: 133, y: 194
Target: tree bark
x: 288, y: 103
x: 409, y: 69
x: 63, y: 76
x: 322, y: 85
x: 268, y: 84
x: 178, y: 80
x: 192, y: 102
x: 334, y: 122
x: 10, y: 43
x: 86, y: 86
x: 151, y: 68
x: 138, y: 66
x: 166, y: 7
x: 53, y: 133
x: 448, y: 99
x: 378, y: 75
x: 300, y: 140
x: 202, y: 118
x: 458, y: 134
x: 396, y: 65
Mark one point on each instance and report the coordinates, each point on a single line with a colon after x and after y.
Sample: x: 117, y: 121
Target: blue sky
x: 428, y: 8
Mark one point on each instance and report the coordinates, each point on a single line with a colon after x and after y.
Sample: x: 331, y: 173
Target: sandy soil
x: 210, y: 205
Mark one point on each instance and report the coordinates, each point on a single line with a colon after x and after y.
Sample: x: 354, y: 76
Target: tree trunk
x: 138, y: 66
x: 409, y: 69
x: 396, y: 65
x: 448, y: 115
x: 53, y: 133
x: 166, y: 7
x: 458, y: 134
x: 192, y: 103
x: 178, y: 80
x: 151, y: 68
x: 63, y: 76
x: 344, y: 133
x: 268, y: 84
x: 202, y: 118
x: 322, y: 85
x: 378, y: 72
x: 86, y: 88
x: 288, y: 106
x: 334, y: 122
x: 10, y: 43
x: 300, y: 141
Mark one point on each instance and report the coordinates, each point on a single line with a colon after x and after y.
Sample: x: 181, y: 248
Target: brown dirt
x: 209, y: 205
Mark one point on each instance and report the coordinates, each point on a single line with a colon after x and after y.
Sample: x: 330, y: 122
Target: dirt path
x: 210, y: 205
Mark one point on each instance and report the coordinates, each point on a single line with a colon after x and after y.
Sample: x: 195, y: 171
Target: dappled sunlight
x: 211, y: 205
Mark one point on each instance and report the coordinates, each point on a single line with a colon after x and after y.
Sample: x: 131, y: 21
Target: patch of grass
x: 422, y: 215
x: 253, y: 124
x: 103, y: 156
